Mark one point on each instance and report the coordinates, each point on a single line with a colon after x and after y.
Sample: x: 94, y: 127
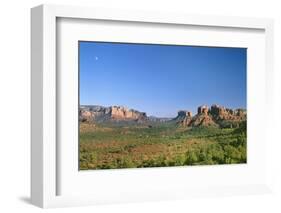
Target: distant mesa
x: 217, y: 116
x: 117, y: 113
x: 158, y: 120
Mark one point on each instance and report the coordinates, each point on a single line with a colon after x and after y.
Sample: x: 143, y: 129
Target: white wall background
x: 15, y: 103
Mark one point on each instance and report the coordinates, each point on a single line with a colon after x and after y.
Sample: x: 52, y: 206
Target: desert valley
x: 118, y: 137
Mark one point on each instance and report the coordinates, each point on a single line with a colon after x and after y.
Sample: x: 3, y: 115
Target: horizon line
x: 202, y: 105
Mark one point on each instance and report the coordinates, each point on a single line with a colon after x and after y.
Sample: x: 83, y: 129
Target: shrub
x: 191, y: 157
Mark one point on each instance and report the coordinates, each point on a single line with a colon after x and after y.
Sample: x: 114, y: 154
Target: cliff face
x: 184, y: 118
x: 222, y: 113
x: 215, y: 116
x: 95, y: 113
x: 117, y: 112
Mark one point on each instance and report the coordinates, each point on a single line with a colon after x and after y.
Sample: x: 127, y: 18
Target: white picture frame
x: 45, y: 167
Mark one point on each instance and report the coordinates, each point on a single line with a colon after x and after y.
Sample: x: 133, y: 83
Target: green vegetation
x: 110, y: 147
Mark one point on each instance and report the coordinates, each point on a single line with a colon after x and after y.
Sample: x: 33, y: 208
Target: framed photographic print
x: 130, y: 106
x: 166, y: 78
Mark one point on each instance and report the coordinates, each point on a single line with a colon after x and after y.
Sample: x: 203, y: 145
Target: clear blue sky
x: 161, y: 79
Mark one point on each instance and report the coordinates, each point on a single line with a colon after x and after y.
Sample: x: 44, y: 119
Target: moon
x: 96, y: 58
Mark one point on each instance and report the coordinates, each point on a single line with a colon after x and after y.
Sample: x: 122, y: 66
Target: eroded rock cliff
x: 95, y: 113
x: 215, y: 116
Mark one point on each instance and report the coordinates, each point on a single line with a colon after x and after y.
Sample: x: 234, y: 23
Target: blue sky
x: 161, y: 79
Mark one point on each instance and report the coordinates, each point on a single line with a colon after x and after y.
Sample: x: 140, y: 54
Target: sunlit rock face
x: 222, y: 113
x: 119, y: 112
x: 184, y: 118
x: 217, y: 116
x: 202, y: 110
x: 97, y: 113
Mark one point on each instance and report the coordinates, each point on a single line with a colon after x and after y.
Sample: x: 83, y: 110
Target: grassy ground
x: 109, y: 147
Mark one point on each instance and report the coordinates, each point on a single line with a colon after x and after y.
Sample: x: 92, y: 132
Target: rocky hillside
x: 216, y: 115
x: 114, y: 113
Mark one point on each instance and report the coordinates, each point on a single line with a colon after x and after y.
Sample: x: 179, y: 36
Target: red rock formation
x: 222, y: 113
x: 202, y: 109
x: 215, y: 116
x: 93, y: 113
x: 184, y: 118
x: 85, y: 115
x: 202, y: 119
